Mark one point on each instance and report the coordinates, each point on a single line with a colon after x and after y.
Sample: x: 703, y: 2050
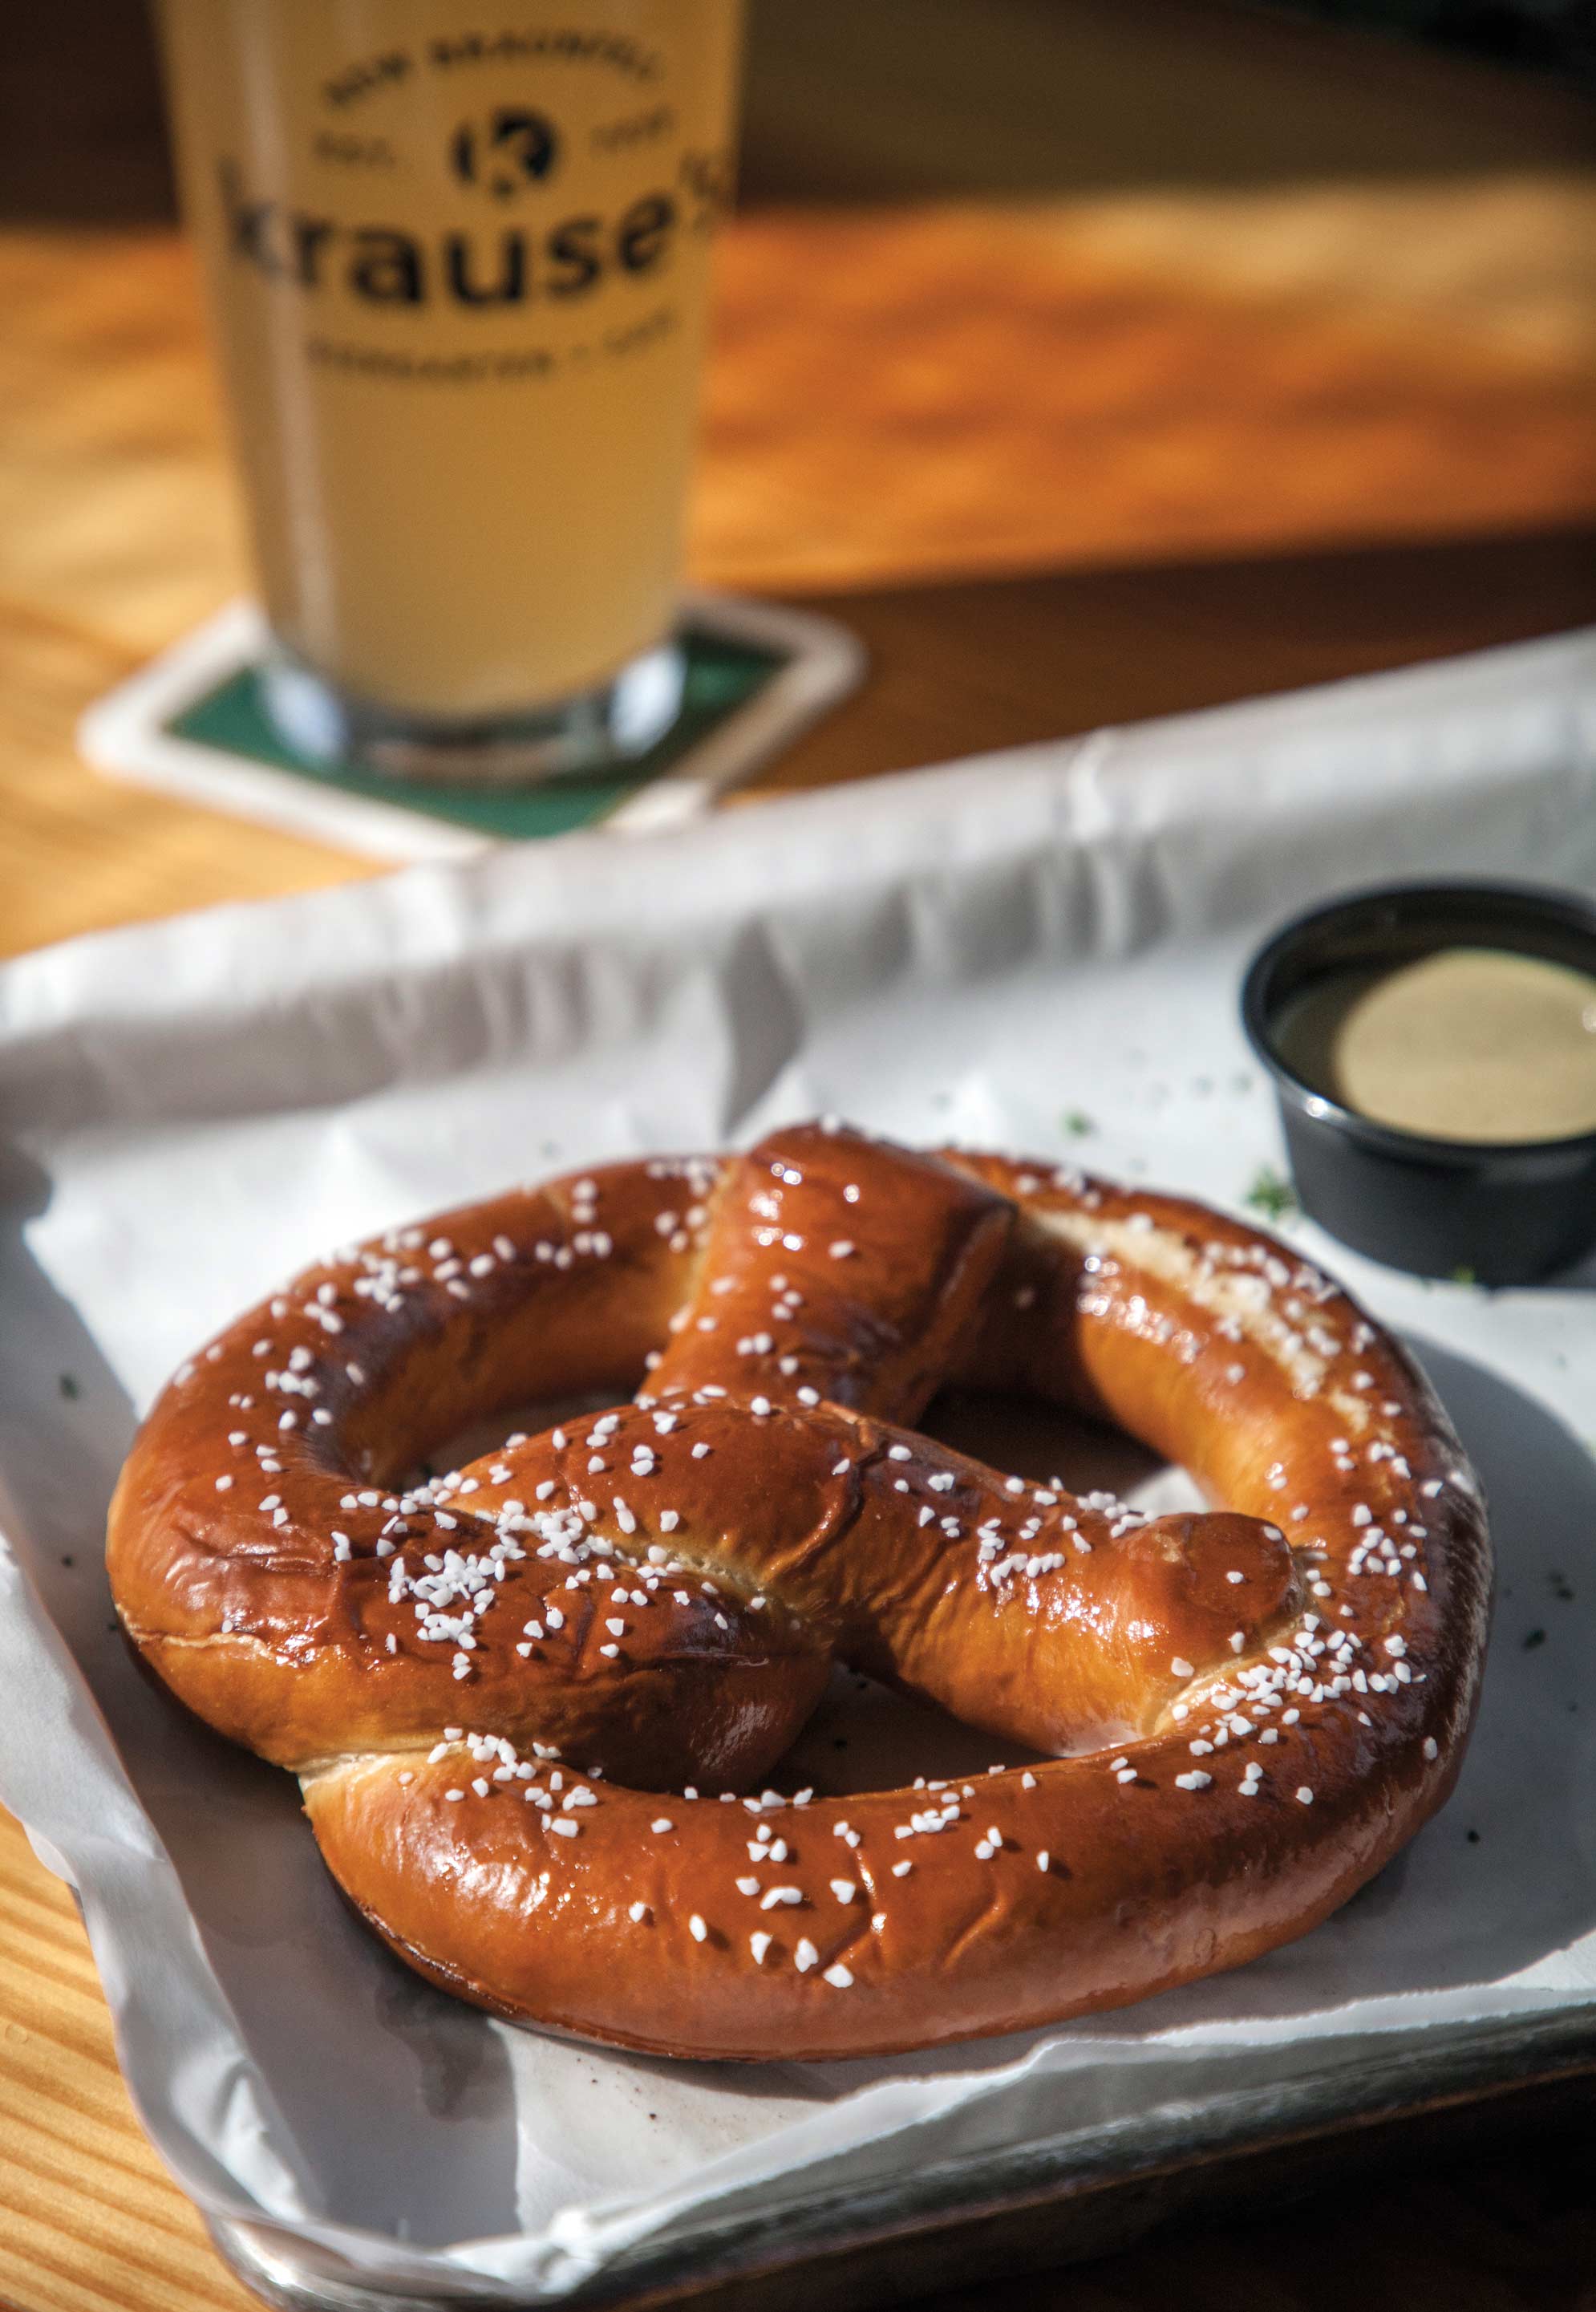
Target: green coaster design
x: 722, y: 676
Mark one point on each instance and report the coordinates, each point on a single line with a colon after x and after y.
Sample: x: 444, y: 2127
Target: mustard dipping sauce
x: 1469, y: 1043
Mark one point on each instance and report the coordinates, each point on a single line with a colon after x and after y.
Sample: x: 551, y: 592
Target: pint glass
x: 458, y: 257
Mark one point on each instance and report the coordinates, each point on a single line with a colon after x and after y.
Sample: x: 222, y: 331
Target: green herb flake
x: 1077, y: 1123
x: 1271, y: 1194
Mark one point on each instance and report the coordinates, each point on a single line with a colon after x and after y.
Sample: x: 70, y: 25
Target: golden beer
x: 458, y: 256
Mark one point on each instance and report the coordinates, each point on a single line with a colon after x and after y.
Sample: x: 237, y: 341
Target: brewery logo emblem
x: 505, y: 153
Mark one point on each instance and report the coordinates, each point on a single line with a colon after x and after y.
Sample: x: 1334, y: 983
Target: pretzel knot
x: 487, y: 1681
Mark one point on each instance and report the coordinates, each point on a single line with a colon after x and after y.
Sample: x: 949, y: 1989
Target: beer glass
x: 457, y: 258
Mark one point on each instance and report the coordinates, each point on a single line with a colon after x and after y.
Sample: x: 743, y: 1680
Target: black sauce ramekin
x: 1498, y: 1212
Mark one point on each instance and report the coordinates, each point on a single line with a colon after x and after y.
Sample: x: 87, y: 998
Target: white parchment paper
x: 190, y: 1110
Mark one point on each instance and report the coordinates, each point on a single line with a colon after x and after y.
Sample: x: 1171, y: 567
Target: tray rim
x: 1436, y: 2068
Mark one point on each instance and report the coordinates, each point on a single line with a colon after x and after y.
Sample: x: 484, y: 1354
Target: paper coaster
x: 192, y: 725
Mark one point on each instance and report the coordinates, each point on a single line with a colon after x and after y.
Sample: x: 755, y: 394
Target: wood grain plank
x: 959, y: 669
x: 88, y: 2216
x: 80, y: 852
x: 960, y: 389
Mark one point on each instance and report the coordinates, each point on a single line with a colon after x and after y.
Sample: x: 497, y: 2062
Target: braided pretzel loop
x: 485, y: 1681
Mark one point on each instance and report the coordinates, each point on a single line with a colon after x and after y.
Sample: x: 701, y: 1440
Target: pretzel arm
x: 1020, y: 1609
x: 824, y: 1279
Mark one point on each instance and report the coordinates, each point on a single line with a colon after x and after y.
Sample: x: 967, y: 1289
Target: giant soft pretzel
x: 520, y: 1697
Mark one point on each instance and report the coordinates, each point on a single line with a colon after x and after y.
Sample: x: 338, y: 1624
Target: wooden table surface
x: 1059, y: 464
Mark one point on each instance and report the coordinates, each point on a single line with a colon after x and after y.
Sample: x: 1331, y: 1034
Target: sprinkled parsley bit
x: 1271, y: 1194
x: 1077, y: 1123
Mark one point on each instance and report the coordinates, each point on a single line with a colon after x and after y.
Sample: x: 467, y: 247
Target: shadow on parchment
x: 233, y: 1828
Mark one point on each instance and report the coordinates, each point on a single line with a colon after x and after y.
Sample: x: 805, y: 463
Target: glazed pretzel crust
x: 485, y: 1681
